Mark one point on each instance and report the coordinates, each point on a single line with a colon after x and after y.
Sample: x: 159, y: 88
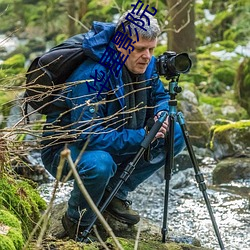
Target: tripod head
x: 174, y: 89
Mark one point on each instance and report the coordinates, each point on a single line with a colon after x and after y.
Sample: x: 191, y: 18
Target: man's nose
x: 146, y: 54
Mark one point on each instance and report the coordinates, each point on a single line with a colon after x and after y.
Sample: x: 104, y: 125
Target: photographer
x: 109, y: 114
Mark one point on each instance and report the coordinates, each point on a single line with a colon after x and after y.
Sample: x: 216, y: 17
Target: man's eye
x: 139, y: 49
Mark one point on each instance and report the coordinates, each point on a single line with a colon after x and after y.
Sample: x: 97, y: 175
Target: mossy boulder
x: 232, y: 139
x: 22, y: 200
x: 11, y: 237
x: 231, y: 169
x: 242, y: 84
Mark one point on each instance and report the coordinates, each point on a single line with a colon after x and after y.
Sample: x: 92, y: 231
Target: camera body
x: 171, y: 65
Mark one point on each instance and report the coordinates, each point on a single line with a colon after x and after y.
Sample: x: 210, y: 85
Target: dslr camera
x: 171, y: 65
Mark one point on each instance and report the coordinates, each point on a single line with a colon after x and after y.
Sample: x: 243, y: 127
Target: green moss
x: 13, y: 239
x: 6, y: 243
x: 128, y: 244
x: 13, y: 71
x: 236, y: 125
x: 228, y: 45
x: 22, y: 200
x: 225, y: 75
x: 215, y: 101
x: 239, y: 128
x: 16, y: 237
x: 16, y: 61
x: 9, y: 219
x: 242, y: 84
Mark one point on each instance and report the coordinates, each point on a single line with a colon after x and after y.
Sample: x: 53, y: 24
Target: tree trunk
x: 72, y: 13
x: 181, y: 27
x: 83, y: 7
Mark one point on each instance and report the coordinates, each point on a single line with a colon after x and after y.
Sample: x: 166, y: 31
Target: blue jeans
x: 100, y: 170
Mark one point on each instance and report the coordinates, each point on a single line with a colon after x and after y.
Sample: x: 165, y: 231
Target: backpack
x: 47, y: 73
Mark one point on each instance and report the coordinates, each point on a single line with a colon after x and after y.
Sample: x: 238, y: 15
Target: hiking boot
x: 121, y: 211
x: 75, y: 231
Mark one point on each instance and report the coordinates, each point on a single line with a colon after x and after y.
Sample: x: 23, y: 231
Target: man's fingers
x: 159, y: 135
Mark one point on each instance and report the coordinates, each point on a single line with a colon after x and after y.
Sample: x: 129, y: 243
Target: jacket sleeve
x: 88, y: 118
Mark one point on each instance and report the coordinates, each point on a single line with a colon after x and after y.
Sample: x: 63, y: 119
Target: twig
x: 137, y: 236
x: 66, y: 154
x: 77, y: 21
x: 99, y: 238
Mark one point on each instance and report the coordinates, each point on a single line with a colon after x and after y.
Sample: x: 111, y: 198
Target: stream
x: 187, y: 212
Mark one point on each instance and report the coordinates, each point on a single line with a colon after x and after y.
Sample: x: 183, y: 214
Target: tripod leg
x: 129, y: 168
x: 168, y: 173
x: 199, y: 177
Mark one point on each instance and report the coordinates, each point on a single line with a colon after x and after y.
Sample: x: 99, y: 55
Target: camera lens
x: 182, y: 63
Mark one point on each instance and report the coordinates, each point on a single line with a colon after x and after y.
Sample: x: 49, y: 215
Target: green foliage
x: 160, y: 49
x: 229, y: 23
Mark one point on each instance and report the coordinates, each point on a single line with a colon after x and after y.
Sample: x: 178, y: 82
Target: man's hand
x: 164, y: 128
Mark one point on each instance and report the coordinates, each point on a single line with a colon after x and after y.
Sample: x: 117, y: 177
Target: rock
x: 229, y: 140
x: 149, y: 238
x: 188, y: 95
x: 181, y: 179
x: 231, y: 169
x: 197, y: 125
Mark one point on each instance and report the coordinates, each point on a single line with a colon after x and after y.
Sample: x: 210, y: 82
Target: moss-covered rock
x: 231, y: 169
x: 242, y: 84
x: 22, y: 200
x: 232, y: 139
x: 11, y: 237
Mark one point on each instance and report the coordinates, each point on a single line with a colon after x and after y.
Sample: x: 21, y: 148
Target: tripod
x: 169, y: 163
x: 173, y: 90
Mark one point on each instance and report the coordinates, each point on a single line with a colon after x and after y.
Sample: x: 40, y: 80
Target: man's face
x: 138, y: 60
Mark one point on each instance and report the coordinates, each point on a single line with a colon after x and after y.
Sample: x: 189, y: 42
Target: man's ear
x: 117, y: 48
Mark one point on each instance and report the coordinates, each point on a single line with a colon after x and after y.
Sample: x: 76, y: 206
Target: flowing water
x: 187, y: 212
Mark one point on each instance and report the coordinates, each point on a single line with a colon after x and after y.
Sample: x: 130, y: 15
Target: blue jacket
x: 105, y: 132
